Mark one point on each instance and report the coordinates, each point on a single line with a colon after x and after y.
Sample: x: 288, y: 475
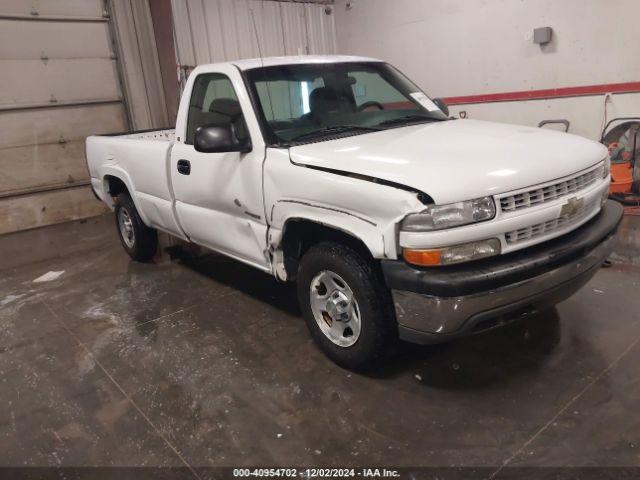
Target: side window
x: 214, y: 102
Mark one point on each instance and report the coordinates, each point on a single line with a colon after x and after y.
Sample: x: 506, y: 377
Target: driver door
x: 218, y: 196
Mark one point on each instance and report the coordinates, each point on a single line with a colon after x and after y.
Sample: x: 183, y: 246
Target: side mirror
x: 217, y: 139
x: 441, y: 105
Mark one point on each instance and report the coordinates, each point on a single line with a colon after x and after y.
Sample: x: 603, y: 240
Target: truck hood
x: 456, y: 160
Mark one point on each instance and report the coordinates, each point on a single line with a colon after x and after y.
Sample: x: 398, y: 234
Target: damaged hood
x: 456, y: 160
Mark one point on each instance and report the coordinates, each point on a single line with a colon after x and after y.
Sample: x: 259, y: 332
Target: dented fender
x: 356, y: 205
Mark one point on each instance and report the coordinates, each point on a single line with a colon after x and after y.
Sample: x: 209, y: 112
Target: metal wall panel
x: 35, y: 127
x: 57, y: 8
x: 321, y: 29
x: 294, y: 30
x: 48, y: 165
x: 45, y: 208
x: 22, y: 40
x: 34, y: 82
x: 63, y: 64
x: 210, y: 31
x: 43, y: 152
x: 53, y: 53
x: 142, y: 80
x: 182, y: 31
x: 162, y: 21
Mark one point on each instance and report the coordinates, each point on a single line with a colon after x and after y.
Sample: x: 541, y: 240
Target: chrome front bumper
x: 488, y: 295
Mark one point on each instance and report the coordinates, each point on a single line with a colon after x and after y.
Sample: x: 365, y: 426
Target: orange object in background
x: 621, y: 177
x: 622, y: 140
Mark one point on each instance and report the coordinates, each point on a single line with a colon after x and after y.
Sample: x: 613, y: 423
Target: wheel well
x: 115, y: 186
x: 300, y: 235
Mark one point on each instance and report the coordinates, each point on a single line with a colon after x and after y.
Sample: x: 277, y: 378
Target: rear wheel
x: 346, y: 305
x: 139, y: 241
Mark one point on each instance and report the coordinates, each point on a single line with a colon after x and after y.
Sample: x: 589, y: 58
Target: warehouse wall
x: 209, y: 31
x: 470, y: 48
x: 138, y: 53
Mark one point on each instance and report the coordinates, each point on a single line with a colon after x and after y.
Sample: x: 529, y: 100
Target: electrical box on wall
x: 542, y: 35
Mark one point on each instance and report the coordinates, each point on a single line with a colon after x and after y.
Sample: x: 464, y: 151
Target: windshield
x: 301, y: 103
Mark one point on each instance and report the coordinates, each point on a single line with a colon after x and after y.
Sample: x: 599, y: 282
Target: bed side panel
x: 142, y: 166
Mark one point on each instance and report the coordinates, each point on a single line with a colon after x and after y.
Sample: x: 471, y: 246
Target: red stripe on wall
x: 628, y: 87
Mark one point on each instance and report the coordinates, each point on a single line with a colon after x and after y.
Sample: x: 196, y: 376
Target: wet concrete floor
x: 208, y: 363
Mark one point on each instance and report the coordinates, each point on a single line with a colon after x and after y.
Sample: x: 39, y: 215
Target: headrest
x: 229, y: 107
x: 323, y: 99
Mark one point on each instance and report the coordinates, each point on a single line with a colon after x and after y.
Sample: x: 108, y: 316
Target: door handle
x: 184, y: 167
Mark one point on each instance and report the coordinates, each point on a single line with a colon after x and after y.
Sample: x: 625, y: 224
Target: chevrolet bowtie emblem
x: 572, y: 207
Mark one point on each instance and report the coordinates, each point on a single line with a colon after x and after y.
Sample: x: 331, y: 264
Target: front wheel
x: 346, y: 306
x: 139, y: 241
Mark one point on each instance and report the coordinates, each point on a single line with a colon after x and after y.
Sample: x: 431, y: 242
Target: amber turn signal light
x: 452, y: 254
x: 422, y: 257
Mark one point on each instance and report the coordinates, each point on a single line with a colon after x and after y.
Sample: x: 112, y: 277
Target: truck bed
x: 140, y: 160
x: 166, y: 135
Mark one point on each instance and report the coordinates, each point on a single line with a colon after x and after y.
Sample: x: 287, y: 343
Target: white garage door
x: 59, y: 83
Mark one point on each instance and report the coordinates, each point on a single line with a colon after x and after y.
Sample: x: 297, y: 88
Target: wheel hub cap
x: 126, y: 227
x: 335, y: 309
x: 338, y: 306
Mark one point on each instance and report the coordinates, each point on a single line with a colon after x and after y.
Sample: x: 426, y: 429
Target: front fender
x: 364, y: 229
x: 361, y: 207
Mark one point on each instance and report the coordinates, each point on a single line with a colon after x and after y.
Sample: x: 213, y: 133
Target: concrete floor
x: 208, y: 363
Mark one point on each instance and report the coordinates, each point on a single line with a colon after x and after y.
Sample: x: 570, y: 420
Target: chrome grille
x: 533, y: 231
x: 536, y: 196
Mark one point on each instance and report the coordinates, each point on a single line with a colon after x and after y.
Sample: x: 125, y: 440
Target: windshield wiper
x: 411, y: 119
x: 336, y: 129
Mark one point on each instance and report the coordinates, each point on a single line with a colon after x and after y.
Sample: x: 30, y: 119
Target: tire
x: 138, y: 240
x: 374, y: 335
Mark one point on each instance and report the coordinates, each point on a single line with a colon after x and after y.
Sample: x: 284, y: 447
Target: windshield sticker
x: 425, y: 101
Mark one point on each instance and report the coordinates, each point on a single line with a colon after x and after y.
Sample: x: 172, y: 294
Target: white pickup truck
x: 339, y: 173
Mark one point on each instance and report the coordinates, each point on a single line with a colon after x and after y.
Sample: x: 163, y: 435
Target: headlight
x: 439, y: 217
x: 453, y: 254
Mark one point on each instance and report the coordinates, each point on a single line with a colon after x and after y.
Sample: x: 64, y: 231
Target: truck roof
x: 250, y: 63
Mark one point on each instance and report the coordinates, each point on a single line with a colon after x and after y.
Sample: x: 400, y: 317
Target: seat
x: 222, y: 112
x: 323, y: 100
x: 227, y: 108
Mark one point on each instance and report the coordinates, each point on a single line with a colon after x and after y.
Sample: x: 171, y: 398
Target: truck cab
x: 340, y: 174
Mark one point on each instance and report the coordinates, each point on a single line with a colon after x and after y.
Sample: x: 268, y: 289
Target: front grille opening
x: 537, y: 230
x: 537, y: 196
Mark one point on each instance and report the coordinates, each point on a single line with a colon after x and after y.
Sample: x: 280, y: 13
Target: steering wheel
x: 372, y: 103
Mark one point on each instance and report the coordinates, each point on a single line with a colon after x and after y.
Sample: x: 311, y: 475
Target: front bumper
x: 437, y: 304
